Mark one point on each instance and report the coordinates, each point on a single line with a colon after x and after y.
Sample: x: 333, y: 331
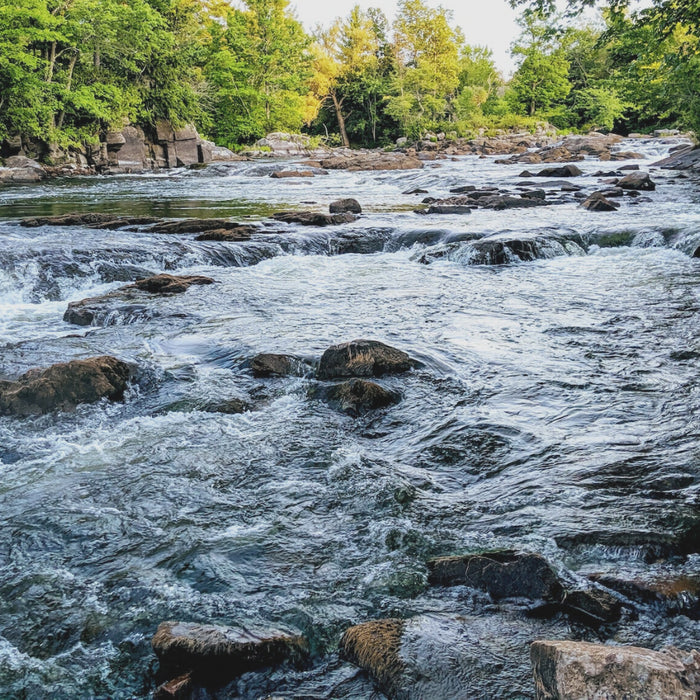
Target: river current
x: 555, y: 411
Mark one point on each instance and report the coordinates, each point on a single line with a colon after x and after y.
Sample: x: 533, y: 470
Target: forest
x: 71, y: 69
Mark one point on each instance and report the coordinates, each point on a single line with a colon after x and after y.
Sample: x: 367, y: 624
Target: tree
x: 541, y: 80
x: 259, y: 67
x: 427, y: 47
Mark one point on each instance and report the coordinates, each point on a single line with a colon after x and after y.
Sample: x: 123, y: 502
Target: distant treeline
x: 71, y: 69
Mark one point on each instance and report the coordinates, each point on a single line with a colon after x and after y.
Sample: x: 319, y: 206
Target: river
x: 555, y: 410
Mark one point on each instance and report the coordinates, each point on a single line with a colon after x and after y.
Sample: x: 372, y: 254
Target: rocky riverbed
x: 354, y: 426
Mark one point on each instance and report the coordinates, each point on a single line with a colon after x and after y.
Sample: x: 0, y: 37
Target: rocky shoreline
x: 135, y: 150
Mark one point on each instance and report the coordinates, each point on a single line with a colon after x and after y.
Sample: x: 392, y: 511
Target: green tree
x: 541, y: 80
x: 427, y: 47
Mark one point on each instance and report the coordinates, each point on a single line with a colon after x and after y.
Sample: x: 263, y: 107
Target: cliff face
x: 131, y: 150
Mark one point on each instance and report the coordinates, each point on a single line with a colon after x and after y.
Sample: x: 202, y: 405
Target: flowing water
x: 555, y: 411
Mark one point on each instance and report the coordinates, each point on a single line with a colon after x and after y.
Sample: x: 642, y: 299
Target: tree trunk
x: 52, y: 63
x: 338, y: 104
x: 71, y: 68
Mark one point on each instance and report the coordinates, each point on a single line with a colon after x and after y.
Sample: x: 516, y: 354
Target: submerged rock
x: 230, y: 235
x: 348, y: 205
x: 363, y: 358
x: 283, y: 174
x: 310, y: 218
x: 217, y: 653
x: 179, y: 688
x: 183, y: 226
x: 170, y: 284
x: 445, y: 209
x: 375, y: 647
x: 89, y: 219
x: 502, y: 574
x: 358, y: 396
x: 599, y: 202
x: 567, y: 670
x: 127, y: 299
x: 64, y: 386
x: 502, y: 202
x: 276, y: 365
x: 637, y: 181
x: 592, y: 605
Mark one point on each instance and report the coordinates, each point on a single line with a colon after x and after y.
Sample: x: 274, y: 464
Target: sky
x: 484, y: 22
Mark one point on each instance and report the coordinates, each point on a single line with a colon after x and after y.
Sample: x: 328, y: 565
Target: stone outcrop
x: 502, y: 574
x: 21, y: 169
x: 562, y: 171
x: 358, y: 396
x: 363, y: 358
x: 170, y: 284
x: 686, y: 158
x: 64, y: 386
x: 214, y: 653
x: 96, y: 220
x: 566, y: 670
x: 283, y: 145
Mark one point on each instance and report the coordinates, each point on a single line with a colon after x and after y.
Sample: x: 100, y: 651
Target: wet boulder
x: 214, y: 653
x: 310, y: 218
x: 502, y: 574
x: 342, y: 206
x: 566, y: 670
x: 63, y: 386
x: 170, y: 284
x: 89, y: 219
x: 593, y: 606
x: 375, y: 647
x: 180, y: 688
x: 358, y: 396
x: 363, y: 358
x: 444, y: 657
x: 637, y: 181
x: 563, y: 171
x: 21, y: 169
x: 277, y: 365
x: 599, y: 202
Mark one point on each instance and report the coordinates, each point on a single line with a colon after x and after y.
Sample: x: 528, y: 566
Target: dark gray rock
x: 359, y: 396
x: 343, y: 206
x: 599, y: 202
x: 309, y: 218
x: 277, y: 365
x: 637, y: 181
x: 502, y: 574
x: 363, y: 358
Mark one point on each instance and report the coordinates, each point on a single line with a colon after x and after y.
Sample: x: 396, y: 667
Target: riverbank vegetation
x: 72, y: 69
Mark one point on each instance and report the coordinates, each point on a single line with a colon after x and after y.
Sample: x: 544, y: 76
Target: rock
x: 375, y: 647
x: 686, y: 159
x: 372, y: 161
x: 64, y: 386
x: 341, y: 206
x: 502, y: 202
x: 534, y: 194
x: 445, y: 209
x: 567, y: 670
x: 274, y: 365
x: 592, y: 605
x: 233, y: 235
x: 21, y: 169
x: 94, y: 220
x: 230, y: 406
x: 502, y: 574
x: 309, y: 218
x: 215, y: 653
x: 415, y: 190
x: 179, y: 688
x: 183, y: 226
x: 170, y: 284
x: 637, y: 181
x: 281, y: 174
x: 358, y: 396
x: 362, y: 358
x: 282, y: 144
x: 564, y: 171
x: 679, y: 595
x: 629, y: 167
x: 598, y: 202
x: 626, y: 155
